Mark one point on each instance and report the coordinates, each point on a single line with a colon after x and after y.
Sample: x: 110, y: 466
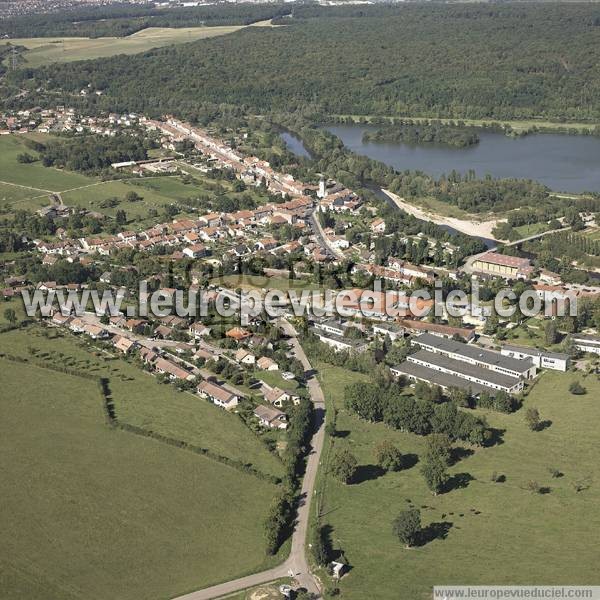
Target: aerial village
x: 440, y: 352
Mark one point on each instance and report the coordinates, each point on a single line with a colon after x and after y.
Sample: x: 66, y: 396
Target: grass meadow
x: 141, y: 401
x: 495, y: 533
x: 29, y: 187
x: 91, y: 512
x: 36, y: 178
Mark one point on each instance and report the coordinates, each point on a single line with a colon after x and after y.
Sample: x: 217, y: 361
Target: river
x: 565, y: 163
x: 294, y: 144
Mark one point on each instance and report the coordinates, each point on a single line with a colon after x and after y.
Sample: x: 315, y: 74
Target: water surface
x: 569, y: 163
x: 294, y: 144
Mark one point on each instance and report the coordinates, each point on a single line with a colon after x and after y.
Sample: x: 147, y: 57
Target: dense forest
x: 458, y: 60
x: 424, y: 133
x: 124, y: 19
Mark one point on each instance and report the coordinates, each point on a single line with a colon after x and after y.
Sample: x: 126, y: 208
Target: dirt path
x: 27, y: 187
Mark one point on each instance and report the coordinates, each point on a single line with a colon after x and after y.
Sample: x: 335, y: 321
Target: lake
x: 569, y: 163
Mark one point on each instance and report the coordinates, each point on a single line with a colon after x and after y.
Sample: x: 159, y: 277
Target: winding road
x: 296, y: 565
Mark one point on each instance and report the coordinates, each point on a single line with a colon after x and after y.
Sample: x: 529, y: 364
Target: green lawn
x: 143, y: 402
x: 91, y: 198
x: 94, y: 513
x: 274, y: 378
x: 594, y: 235
x: 532, y: 229
x: 499, y: 533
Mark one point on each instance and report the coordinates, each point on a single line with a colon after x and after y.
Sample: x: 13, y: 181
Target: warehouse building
x: 542, y: 359
x: 480, y: 357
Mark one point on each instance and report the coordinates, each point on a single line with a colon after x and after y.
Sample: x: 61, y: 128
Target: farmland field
x: 43, y: 51
x: 497, y: 533
x: 90, y: 512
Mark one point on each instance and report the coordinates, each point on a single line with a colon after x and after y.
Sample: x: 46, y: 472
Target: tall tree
x: 407, y: 526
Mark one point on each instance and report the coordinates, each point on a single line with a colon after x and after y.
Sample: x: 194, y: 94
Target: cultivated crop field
x: 482, y: 532
x: 43, y: 51
x: 91, y: 512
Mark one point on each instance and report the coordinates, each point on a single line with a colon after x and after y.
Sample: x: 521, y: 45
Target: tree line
x: 119, y: 20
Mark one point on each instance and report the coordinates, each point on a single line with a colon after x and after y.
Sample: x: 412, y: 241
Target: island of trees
x: 431, y: 132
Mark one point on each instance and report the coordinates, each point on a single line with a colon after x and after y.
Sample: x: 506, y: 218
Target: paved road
x: 322, y: 238
x: 296, y: 565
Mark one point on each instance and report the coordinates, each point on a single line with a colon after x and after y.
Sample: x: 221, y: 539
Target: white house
x: 267, y: 364
x: 198, y: 330
x: 378, y: 225
x: 195, y: 251
x: 270, y: 417
x: 244, y: 357
x: 218, y: 395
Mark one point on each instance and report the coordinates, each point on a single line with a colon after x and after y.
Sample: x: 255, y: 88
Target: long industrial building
x: 486, y: 359
x: 454, y: 364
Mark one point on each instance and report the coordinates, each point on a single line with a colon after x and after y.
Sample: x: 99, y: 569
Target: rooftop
x: 504, y: 260
x: 463, y: 368
x: 473, y: 352
x: 437, y: 377
x: 536, y: 351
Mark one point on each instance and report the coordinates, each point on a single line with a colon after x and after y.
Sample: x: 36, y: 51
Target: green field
x: 90, y: 512
x: 248, y: 282
x: 532, y: 229
x: 151, y: 192
x: 43, y: 51
x: 498, y: 533
x: 594, y: 235
x: 141, y: 401
x: 36, y: 179
x: 29, y: 186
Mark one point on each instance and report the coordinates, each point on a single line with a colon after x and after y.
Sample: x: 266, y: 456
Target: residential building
x: 378, y: 225
x: 339, y: 342
x: 392, y: 330
x: 473, y: 373
x: 267, y: 364
x: 124, y: 345
x: 244, y: 357
x: 238, y: 334
x: 195, y: 251
x: 439, y: 329
x: 198, y: 330
x: 166, y: 367
x: 270, y: 417
x: 277, y: 396
x: 218, y: 395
